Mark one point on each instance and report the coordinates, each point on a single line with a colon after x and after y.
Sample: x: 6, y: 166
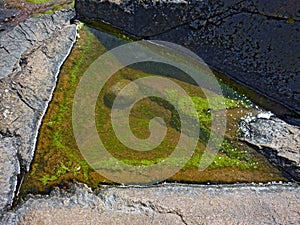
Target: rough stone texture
x: 254, y: 42
x: 4, y: 15
x: 24, y: 95
x: 165, y: 204
x: 279, y: 141
x: 9, y: 169
x: 13, y: 12
x: 27, y: 34
x: 36, y: 50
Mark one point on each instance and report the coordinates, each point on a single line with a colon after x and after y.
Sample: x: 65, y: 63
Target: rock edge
x: 26, y: 90
x: 163, y: 204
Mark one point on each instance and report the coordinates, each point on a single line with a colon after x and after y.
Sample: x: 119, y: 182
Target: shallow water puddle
x: 59, y: 162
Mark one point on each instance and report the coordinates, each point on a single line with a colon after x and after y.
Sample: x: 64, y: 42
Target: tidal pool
x: 58, y: 161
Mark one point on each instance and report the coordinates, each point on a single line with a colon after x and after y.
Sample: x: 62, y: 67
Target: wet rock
x: 154, y: 16
x: 163, y: 204
x: 279, y: 141
x: 253, y: 42
x: 32, y: 55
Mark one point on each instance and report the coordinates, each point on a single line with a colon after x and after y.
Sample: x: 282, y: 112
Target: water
x: 59, y: 162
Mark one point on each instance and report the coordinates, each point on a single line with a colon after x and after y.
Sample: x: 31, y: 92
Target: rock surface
x: 164, y: 204
x: 277, y: 140
x: 5, y: 14
x: 31, y: 56
x: 27, y: 34
x: 254, y: 42
x: 13, y: 12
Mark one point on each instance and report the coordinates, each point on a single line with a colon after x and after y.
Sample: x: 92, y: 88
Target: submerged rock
x: 163, y: 204
x: 31, y: 56
x: 125, y: 98
x: 254, y: 42
x: 277, y: 140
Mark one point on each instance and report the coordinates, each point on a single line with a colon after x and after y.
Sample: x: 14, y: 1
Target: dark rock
x: 162, y: 204
x: 140, y: 18
x: 279, y: 141
x: 6, y: 15
x: 254, y: 42
x: 32, y: 54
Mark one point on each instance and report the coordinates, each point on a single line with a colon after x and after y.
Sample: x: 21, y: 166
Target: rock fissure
x: 24, y: 101
x: 3, y: 47
x: 161, y: 209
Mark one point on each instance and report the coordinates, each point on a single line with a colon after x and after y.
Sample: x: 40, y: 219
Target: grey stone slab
x: 38, y: 47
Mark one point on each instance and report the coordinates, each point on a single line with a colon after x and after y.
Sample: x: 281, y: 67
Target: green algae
x: 39, y: 1
x: 55, y: 7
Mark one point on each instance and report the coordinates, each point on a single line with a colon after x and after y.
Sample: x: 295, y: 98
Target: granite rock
x: 31, y: 32
x: 277, y: 140
x: 34, y: 52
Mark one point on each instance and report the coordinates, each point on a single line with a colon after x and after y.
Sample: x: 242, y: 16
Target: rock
x: 277, y: 140
x: 79, y: 199
x: 13, y: 12
x: 9, y: 170
x: 253, y: 42
x: 124, y: 98
x: 154, y: 16
x: 33, y: 53
x: 5, y: 16
x: 24, y: 36
x: 163, y: 204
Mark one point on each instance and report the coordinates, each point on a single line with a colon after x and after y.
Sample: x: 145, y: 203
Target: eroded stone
x: 34, y: 52
x: 277, y: 140
x: 163, y: 204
